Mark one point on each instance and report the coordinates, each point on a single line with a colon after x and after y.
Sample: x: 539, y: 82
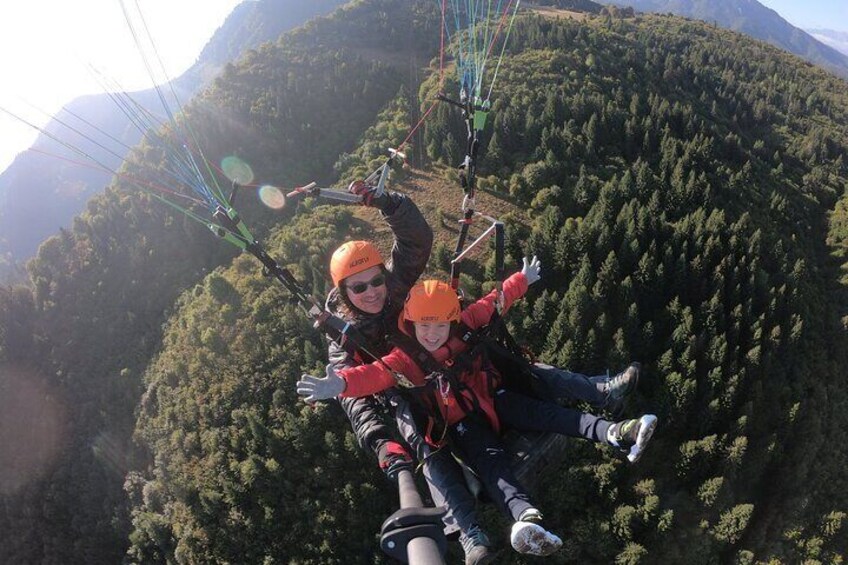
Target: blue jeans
x: 448, y: 488
x: 481, y: 449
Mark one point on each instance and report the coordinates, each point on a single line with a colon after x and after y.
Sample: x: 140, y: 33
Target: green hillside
x: 103, y: 289
x: 684, y: 188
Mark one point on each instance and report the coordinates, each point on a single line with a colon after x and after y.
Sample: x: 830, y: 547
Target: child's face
x: 432, y: 335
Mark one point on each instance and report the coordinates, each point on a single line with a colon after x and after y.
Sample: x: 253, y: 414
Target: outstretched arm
x: 373, y: 430
x: 360, y: 380
x: 413, y: 237
x: 480, y: 313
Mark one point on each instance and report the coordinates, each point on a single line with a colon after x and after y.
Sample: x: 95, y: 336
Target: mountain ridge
x: 678, y: 182
x: 836, y: 39
x: 39, y: 194
x: 754, y: 19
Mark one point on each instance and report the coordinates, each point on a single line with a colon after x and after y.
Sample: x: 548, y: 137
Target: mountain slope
x: 684, y: 188
x: 102, y: 289
x: 677, y: 181
x: 41, y: 193
x: 751, y: 18
x: 836, y: 39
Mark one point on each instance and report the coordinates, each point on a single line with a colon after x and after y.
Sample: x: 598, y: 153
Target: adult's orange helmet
x: 432, y: 301
x: 351, y: 258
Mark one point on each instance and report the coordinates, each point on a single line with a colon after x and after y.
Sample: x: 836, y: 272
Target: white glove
x: 317, y: 388
x: 532, y: 270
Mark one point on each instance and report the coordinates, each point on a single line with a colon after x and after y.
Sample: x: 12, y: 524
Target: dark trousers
x: 524, y: 413
x: 445, y: 478
x: 482, y: 450
x: 449, y: 489
x: 553, y: 382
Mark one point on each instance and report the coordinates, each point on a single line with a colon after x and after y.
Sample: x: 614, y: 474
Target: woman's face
x: 432, y: 335
x: 367, y: 290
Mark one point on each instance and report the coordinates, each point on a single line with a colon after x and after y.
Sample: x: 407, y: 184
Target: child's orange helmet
x: 431, y: 301
x: 351, y: 258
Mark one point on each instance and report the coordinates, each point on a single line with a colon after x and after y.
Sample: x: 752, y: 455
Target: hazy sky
x: 827, y: 14
x: 48, y: 46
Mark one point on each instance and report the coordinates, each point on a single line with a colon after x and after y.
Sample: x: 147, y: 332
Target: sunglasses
x: 360, y: 287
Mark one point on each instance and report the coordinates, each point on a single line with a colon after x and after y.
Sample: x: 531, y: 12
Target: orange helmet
x: 351, y: 258
x: 431, y: 301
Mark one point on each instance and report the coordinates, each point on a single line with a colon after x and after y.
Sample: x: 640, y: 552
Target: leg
x: 563, y: 384
x: 602, y: 392
x: 447, y: 487
x: 443, y: 474
x: 525, y: 413
x: 483, y: 451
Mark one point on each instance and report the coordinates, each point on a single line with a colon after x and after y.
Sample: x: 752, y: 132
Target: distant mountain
x: 39, y: 194
x: 751, y: 18
x: 836, y: 39
x: 575, y: 5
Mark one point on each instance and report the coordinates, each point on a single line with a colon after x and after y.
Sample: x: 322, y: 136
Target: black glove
x: 393, y: 458
x: 360, y: 188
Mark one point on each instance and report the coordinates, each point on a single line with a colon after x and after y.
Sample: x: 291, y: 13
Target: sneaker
x: 619, y: 386
x: 530, y: 538
x: 477, y: 547
x: 632, y: 436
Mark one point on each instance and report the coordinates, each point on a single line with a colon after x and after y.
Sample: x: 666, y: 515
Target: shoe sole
x: 648, y: 424
x: 535, y: 540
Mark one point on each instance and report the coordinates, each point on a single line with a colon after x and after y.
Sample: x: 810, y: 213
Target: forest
x: 684, y: 188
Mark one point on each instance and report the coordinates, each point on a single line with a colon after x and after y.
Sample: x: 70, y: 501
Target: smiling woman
x: 47, y: 51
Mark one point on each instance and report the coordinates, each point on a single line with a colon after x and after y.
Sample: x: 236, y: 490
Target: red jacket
x: 364, y: 380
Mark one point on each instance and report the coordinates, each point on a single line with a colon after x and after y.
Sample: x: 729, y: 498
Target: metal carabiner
x: 444, y: 388
x: 468, y: 203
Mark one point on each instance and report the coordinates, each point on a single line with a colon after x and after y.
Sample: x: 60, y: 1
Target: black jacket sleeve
x: 413, y: 241
x: 366, y: 414
x: 412, y: 245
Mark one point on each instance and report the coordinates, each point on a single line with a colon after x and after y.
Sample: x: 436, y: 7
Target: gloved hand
x: 360, y: 188
x: 532, y: 270
x: 317, y: 388
x: 393, y: 458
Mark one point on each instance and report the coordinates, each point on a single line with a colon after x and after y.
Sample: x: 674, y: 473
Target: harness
x: 443, y: 383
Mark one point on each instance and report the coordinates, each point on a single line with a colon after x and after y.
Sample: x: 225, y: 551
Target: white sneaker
x: 632, y: 436
x: 532, y: 539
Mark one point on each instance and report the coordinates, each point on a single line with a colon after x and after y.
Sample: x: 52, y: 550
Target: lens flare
x: 272, y: 197
x: 237, y: 170
x: 33, y: 427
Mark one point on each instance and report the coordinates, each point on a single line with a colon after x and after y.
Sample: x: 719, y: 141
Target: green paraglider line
x: 503, y: 49
x: 141, y: 184
x: 216, y: 195
x: 217, y: 190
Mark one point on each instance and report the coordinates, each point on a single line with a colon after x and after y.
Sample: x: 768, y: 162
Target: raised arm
x: 480, y: 313
x: 413, y: 241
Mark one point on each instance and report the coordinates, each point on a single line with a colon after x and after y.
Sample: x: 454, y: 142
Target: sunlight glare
x: 237, y: 170
x: 272, y: 197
